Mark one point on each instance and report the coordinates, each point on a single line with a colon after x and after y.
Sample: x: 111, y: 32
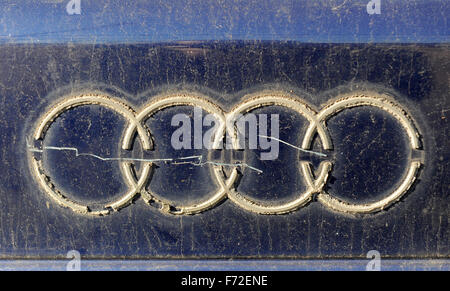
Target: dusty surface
x: 370, y: 155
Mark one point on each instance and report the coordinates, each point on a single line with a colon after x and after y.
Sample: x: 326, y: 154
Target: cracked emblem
x: 226, y: 184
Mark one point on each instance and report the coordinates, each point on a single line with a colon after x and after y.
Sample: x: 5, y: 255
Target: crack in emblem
x: 227, y: 185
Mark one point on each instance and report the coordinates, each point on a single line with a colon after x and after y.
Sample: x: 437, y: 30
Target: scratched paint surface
x: 369, y: 156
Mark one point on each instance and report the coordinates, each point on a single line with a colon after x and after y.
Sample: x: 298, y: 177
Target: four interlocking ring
x: 226, y: 185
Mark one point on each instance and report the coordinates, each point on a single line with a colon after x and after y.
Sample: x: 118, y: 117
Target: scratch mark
x: 339, y: 6
x: 192, y: 160
x: 295, y: 147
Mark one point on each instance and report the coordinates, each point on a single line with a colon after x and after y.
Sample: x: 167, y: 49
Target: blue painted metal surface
x: 225, y: 265
x: 337, y: 21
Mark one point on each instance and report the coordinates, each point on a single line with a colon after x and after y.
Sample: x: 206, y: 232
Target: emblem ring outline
x: 372, y: 99
x: 125, y: 111
x: 313, y: 185
x: 171, y: 101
